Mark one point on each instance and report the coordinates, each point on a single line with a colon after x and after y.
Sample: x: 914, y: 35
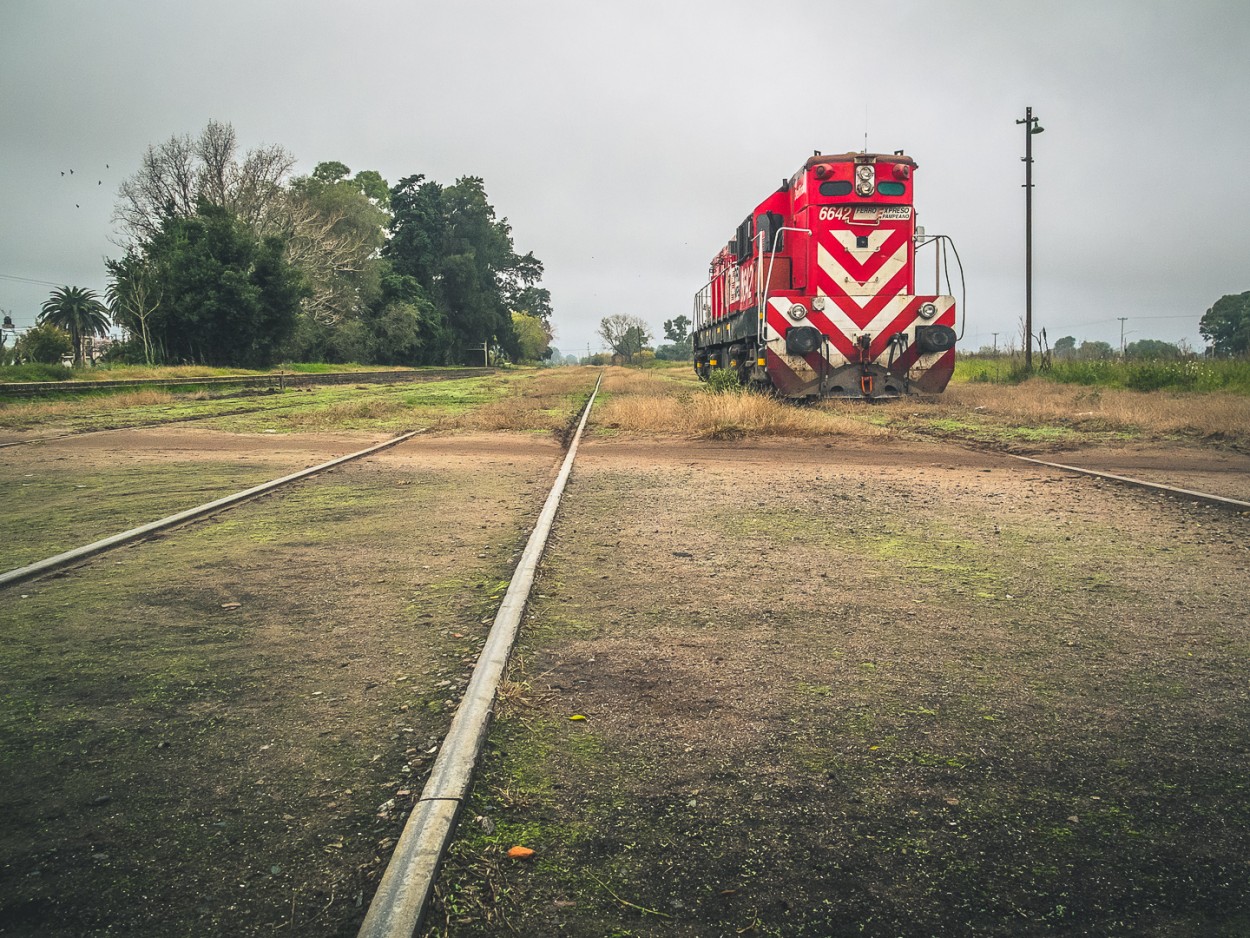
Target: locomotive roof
x: 851, y: 157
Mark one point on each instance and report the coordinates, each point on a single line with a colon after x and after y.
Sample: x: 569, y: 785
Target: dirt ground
x: 864, y: 687
x: 816, y: 687
x: 218, y: 731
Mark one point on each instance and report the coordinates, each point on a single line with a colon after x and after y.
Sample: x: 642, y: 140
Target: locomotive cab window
x: 746, y: 234
x: 891, y: 188
x: 835, y: 187
x: 769, y: 224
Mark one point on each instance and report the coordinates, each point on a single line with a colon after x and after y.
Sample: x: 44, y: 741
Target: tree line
x: 230, y: 260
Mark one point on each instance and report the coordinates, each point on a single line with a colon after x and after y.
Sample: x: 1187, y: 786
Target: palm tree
x: 79, y: 312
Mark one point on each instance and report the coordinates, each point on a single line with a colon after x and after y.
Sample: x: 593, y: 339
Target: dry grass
x: 346, y: 414
x: 541, y: 400
x: 161, y: 372
x: 640, y: 402
x: 1215, y: 415
x: 26, y: 413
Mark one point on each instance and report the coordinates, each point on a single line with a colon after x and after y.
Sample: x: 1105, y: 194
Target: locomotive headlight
x: 864, y: 179
x: 927, y: 311
x: 818, y: 303
x: 798, y: 311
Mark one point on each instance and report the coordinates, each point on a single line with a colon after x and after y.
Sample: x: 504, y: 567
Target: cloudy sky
x: 624, y: 141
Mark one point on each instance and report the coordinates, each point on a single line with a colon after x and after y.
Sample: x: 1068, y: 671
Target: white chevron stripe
x: 847, y: 327
x: 879, y: 278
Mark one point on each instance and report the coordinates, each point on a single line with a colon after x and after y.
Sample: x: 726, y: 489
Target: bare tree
x: 625, y: 335
x: 324, y: 250
x: 174, y: 175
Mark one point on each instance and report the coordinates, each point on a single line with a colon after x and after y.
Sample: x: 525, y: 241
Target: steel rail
x: 288, y: 378
x: 406, y: 885
x: 1220, y: 500
x: 71, y: 557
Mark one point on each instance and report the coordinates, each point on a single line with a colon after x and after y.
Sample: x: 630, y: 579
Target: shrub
x: 724, y: 381
x: 46, y: 344
x: 35, y: 371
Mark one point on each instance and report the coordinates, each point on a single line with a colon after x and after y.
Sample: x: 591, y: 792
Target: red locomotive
x: 815, y: 296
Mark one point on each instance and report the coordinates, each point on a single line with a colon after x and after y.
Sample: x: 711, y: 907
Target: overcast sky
x: 625, y: 141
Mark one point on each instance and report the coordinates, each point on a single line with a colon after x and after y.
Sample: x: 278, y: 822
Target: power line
x: 46, y: 283
x: 1095, y: 322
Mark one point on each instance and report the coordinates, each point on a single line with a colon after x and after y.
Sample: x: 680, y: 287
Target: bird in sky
x: 62, y: 172
x: 71, y: 172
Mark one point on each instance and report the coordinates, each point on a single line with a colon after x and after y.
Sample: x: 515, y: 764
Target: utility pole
x: 1031, y: 127
x: 995, y: 344
x: 1122, y: 319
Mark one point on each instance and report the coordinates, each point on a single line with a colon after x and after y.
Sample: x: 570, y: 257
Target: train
x: 816, y: 295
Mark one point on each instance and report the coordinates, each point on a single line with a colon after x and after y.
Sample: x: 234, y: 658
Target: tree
x: 79, y: 312
x: 1065, y: 347
x: 1095, y: 351
x: 44, y: 343
x: 403, y: 326
x: 175, y: 177
x: 1226, y: 325
x: 1152, y: 349
x: 625, y: 335
x: 677, y: 330
x: 532, y: 337
x: 448, y: 239
x: 333, y: 230
x: 229, y: 298
x: 133, y: 296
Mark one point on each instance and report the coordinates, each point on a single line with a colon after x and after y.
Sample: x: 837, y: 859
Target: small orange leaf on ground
x: 520, y: 853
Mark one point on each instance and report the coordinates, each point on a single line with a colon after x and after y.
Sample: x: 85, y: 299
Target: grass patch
x: 53, y: 508
x: 651, y: 402
x: 35, y: 371
x: 1192, y: 375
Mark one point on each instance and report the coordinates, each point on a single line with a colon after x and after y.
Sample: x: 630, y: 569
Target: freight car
x: 816, y: 295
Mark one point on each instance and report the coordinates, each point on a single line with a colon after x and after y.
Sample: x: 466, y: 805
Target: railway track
x: 77, y: 555
x: 1220, y: 501
x: 405, y: 890
x: 421, y: 378
x: 283, y: 380
x: 87, y: 559
x: 70, y: 558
